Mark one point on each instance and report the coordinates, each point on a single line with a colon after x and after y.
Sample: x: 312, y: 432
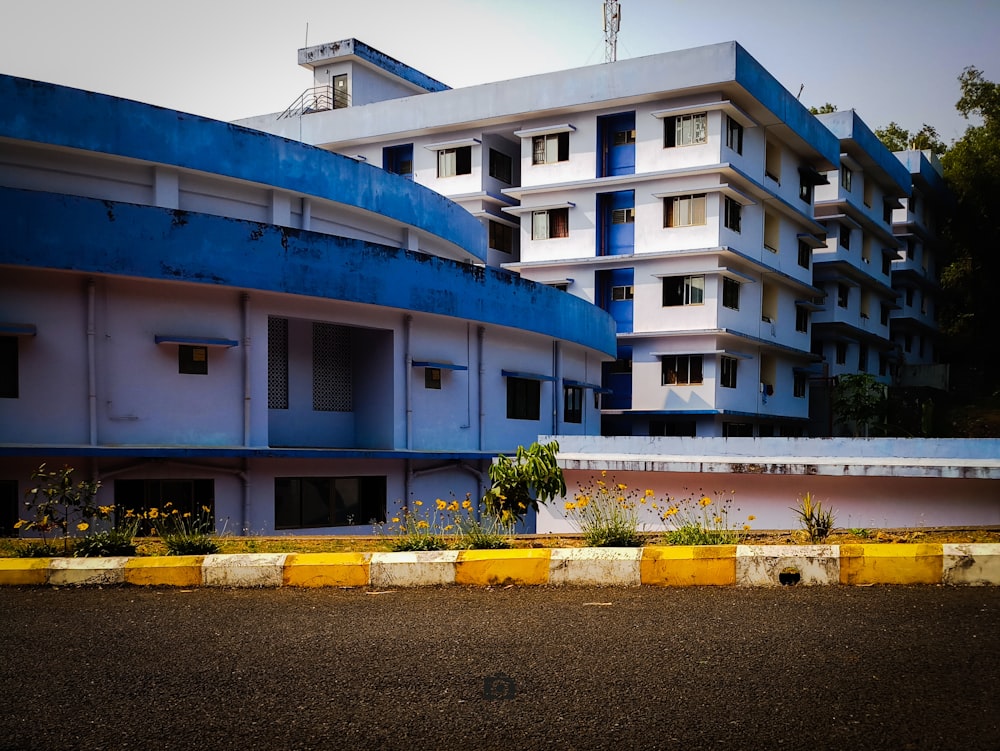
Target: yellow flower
x: 418, y: 503
x: 649, y: 492
x: 395, y: 520
x: 670, y: 511
x: 453, y: 506
x: 705, y: 501
x: 604, y: 473
x: 154, y: 513
x: 717, y: 519
x: 187, y: 514
x: 168, y: 503
x: 570, y: 505
x: 467, y: 505
x: 441, y: 505
x: 746, y: 527
x: 449, y: 528
x: 422, y: 524
x: 83, y: 526
x: 206, y: 509
x: 622, y: 486
x: 751, y: 518
x: 105, y: 509
x: 19, y: 523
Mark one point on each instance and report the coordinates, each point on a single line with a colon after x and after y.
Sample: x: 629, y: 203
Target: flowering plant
x: 607, y: 513
x: 57, y: 503
x: 446, y: 524
x: 702, y: 520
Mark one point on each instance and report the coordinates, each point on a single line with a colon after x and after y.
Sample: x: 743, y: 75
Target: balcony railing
x: 316, y: 99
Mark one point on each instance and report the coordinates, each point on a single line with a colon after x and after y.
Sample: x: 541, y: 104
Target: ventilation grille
x: 332, y: 391
x: 277, y: 363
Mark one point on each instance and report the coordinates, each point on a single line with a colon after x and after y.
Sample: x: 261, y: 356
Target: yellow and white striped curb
x: 665, y: 566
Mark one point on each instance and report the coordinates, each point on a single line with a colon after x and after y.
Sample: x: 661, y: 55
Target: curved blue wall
x: 48, y: 230
x: 61, y: 116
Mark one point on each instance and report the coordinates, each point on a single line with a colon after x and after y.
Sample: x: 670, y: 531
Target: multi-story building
x: 198, y: 313
x: 854, y: 267
x: 674, y: 191
x: 913, y: 324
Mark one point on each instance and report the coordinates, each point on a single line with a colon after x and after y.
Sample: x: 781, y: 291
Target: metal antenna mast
x: 612, y: 22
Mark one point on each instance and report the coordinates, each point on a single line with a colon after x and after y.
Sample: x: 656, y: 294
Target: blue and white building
x: 196, y: 312
x: 674, y: 191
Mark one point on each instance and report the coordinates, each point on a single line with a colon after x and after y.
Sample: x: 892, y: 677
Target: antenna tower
x: 612, y: 22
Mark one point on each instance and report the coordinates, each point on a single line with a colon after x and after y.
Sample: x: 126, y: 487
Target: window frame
x: 697, y: 136
x: 501, y: 163
x: 336, y: 516
x: 683, y: 211
x: 501, y: 236
x: 734, y: 135
x: 558, y: 217
x: 462, y: 162
x: 524, y: 399
x: 192, y: 359
x: 573, y: 404
x: 730, y: 293
x: 10, y: 365
x: 733, y: 218
x: 692, y: 367
x: 799, y: 381
x: 846, y: 177
x: 686, y: 291
x: 805, y: 254
x: 542, y: 153
x: 843, y: 295
x: 802, y: 316
x: 728, y: 369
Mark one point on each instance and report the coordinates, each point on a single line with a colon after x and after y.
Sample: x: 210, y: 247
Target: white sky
x: 227, y: 59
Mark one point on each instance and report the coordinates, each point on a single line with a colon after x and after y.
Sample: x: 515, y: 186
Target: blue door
x: 616, y: 223
x: 616, y: 288
x: 618, y: 378
x: 616, y: 144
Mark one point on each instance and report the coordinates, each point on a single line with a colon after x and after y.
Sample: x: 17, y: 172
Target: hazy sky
x: 889, y: 59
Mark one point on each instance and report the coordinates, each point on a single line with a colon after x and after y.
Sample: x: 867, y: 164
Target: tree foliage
x: 897, y: 138
x: 859, y: 402
x: 824, y: 109
x: 971, y: 263
x: 519, y: 484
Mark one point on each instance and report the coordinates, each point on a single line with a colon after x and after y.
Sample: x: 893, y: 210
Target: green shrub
x: 813, y: 518
x: 704, y: 521
x: 107, y: 543
x: 607, y: 513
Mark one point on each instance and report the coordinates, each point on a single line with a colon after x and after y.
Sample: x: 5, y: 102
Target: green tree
x: 824, y: 109
x: 897, y: 138
x: 971, y: 264
x: 57, y: 503
x: 519, y: 484
x: 859, y: 402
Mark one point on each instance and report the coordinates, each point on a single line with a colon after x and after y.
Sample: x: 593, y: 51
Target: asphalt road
x: 518, y: 668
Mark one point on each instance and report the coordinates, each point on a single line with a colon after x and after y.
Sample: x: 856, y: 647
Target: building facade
x: 674, y: 191
x: 195, y: 312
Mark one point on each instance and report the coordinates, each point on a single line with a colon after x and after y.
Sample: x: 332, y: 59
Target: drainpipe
x: 244, y: 476
x: 557, y: 373
x: 481, y: 338
x: 92, y: 360
x: 245, y: 300
x: 408, y: 378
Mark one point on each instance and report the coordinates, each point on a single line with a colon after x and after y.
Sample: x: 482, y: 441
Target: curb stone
x: 973, y: 564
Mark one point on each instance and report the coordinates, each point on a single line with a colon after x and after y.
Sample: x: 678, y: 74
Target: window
x: 845, y: 237
x: 886, y: 264
x: 912, y: 204
x: 841, y: 353
x: 623, y: 216
x: 737, y: 430
x: 681, y: 370
x: 622, y: 292
x: 187, y: 496
x: 734, y: 135
x: 730, y: 293
x: 9, y: 508
x: 866, y: 249
x: 728, y: 377
x: 867, y: 190
x: 683, y: 290
x: 432, y: 378
x: 452, y: 162
x: 846, y: 177
x: 192, y: 360
x: 549, y: 224
x: 524, y: 397
x: 621, y: 365
x: 501, y: 166
x: 550, y: 148
x: 799, y: 386
x: 734, y: 212
x: 501, y: 237
x: 672, y: 428
x: 802, y: 320
x: 573, y: 404
x: 863, y: 358
x: 8, y: 367
x: 398, y: 159
x: 304, y: 502
x: 772, y: 161
x: 772, y: 232
x: 805, y: 254
x: 684, y: 211
x: 909, y: 297
x: 843, y: 294
x: 805, y: 189
x: 884, y: 314
x: 685, y: 130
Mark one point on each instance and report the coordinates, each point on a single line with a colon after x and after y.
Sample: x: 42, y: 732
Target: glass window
x: 681, y: 370
x: 683, y: 290
x: 684, y: 211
